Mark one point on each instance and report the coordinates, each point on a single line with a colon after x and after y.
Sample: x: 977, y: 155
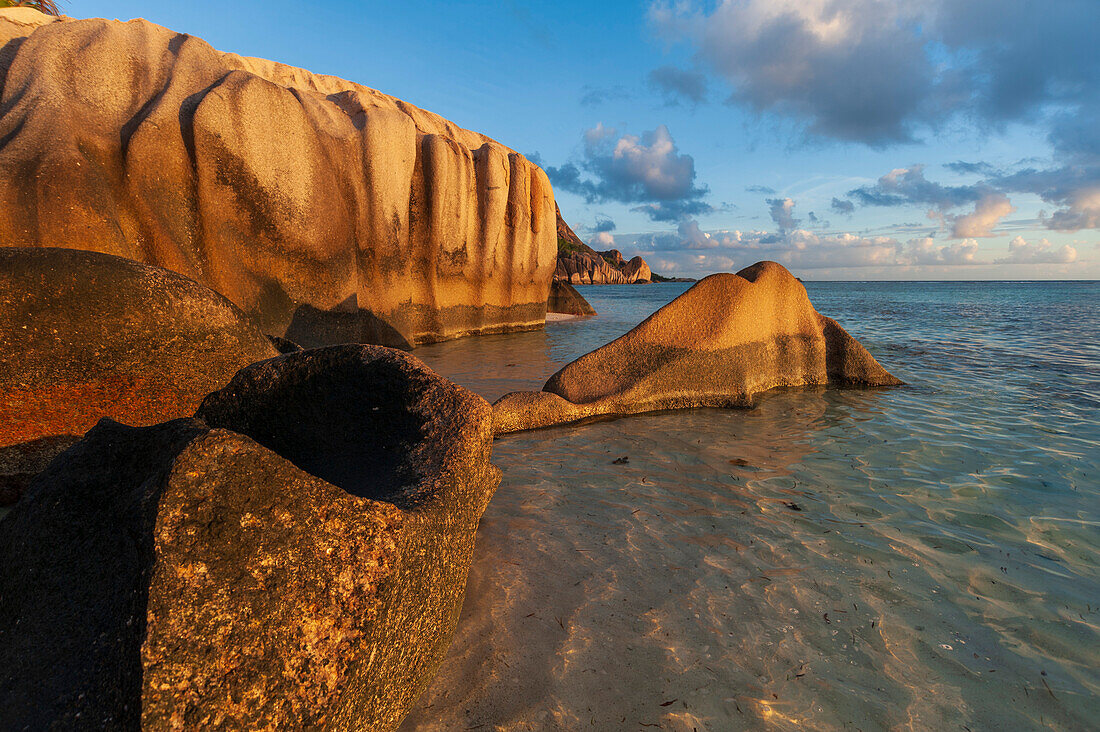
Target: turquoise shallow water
x: 926, y: 557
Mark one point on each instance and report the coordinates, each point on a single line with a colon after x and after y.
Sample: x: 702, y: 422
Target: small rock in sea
x: 564, y: 298
x: 792, y: 505
x: 719, y: 344
x: 625, y: 459
x: 740, y: 462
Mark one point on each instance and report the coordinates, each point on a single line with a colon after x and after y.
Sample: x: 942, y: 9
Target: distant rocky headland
x: 580, y: 264
x: 236, y: 505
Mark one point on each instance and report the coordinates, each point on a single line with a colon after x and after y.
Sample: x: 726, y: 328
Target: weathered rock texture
x: 580, y: 264
x: 326, y: 210
x: 582, y: 268
x: 86, y: 335
x: 726, y: 339
x: 183, y: 576
x: 564, y: 298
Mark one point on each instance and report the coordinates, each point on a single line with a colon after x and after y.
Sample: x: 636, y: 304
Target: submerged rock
x: 564, y: 298
x: 302, y: 570
x: 86, y: 335
x: 723, y: 341
x: 326, y: 210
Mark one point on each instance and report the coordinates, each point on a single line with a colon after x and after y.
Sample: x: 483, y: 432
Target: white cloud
x: 988, y: 212
x: 648, y: 170
x: 878, y: 71
x: 926, y: 252
x: 602, y: 241
x: 1040, y: 252
x: 1083, y: 211
x: 782, y: 213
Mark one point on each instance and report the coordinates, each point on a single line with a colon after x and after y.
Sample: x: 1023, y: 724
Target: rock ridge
x: 326, y: 210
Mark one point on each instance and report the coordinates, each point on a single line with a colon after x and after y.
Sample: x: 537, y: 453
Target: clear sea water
x: 925, y: 557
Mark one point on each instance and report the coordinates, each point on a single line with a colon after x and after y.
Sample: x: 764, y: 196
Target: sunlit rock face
x: 729, y: 337
x: 600, y: 268
x: 580, y: 264
x: 326, y: 210
x: 296, y: 559
x: 85, y: 335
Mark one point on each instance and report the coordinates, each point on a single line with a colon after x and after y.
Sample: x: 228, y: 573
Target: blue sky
x: 847, y: 139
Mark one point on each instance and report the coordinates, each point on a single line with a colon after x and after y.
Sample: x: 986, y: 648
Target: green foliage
x: 46, y: 6
x: 566, y: 247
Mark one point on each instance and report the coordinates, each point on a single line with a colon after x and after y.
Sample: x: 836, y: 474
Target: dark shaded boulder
x: 19, y: 463
x: 284, y: 345
x: 186, y: 576
x: 728, y: 338
x: 85, y: 336
x: 564, y: 298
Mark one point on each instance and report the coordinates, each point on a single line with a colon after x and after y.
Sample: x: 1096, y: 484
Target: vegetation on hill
x: 567, y: 247
x: 46, y: 6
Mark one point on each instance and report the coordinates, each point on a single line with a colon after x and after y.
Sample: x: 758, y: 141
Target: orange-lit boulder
x: 327, y: 211
x: 85, y: 336
x: 728, y: 338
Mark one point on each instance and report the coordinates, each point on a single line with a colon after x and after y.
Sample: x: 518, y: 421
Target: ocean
x: 921, y: 557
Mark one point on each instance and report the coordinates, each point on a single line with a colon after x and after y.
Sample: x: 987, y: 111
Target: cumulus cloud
x: 648, y: 170
x: 877, y: 71
x: 805, y: 249
x: 880, y: 72
x: 1040, y: 252
x: 988, y: 212
x: 603, y: 223
x: 676, y: 84
x: 926, y: 251
x: 842, y: 206
x: 602, y: 241
x: 1082, y: 211
x: 908, y: 186
x: 782, y: 213
x: 798, y: 58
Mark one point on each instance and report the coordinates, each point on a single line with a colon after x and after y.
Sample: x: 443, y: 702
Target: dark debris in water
x: 624, y: 460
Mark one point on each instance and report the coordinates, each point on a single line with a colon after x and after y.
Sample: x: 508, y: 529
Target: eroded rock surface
x: 726, y: 339
x: 86, y: 335
x: 328, y: 211
x: 564, y: 298
x: 183, y: 576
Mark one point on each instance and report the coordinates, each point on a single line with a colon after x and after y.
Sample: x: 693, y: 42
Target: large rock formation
x: 564, y: 298
x: 86, y: 335
x: 308, y: 575
x: 726, y: 339
x: 326, y: 210
x: 580, y: 264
